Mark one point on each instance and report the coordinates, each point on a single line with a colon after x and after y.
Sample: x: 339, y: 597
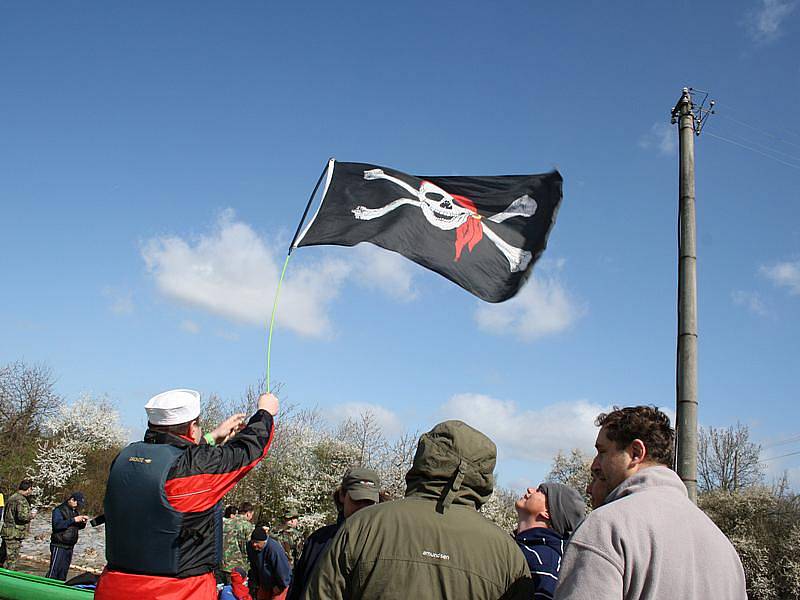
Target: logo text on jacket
x: 439, y: 555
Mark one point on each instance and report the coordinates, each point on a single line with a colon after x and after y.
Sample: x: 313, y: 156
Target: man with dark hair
x: 647, y: 540
x: 433, y: 543
x: 66, y: 521
x: 163, y: 500
x: 547, y: 516
x: 16, y: 521
x: 359, y: 488
x: 236, y: 532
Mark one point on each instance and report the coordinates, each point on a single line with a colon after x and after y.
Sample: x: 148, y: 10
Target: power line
x: 780, y: 456
x: 756, y: 150
x: 768, y: 148
x: 759, y: 130
x: 789, y: 440
x: 772, y: 134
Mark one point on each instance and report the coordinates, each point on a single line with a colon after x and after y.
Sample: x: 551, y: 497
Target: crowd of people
x: 167, y: 536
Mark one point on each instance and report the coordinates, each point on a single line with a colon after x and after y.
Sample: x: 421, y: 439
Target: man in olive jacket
x: 16, y: 520
x: 433, y: 543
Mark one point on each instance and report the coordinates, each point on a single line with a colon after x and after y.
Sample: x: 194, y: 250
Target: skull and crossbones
x: 447, y: 212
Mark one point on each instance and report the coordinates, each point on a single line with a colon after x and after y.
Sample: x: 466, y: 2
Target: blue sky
x: 155, y: 159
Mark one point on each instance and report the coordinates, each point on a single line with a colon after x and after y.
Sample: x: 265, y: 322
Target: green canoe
x: 21, y: 586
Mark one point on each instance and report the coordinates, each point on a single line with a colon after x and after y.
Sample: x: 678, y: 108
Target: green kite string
x: 272, y: 319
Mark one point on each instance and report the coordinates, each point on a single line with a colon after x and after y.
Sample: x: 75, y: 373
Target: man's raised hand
x: 268, y: 402
x: 228, y: 428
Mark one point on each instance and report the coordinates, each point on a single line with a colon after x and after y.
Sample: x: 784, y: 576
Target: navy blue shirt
x: 543, y: 549
x: 274, y: 570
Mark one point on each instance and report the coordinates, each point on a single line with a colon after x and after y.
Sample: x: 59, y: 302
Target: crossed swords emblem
x: 446, y: 212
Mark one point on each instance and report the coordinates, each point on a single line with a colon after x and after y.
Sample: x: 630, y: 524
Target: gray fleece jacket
x: 649, y: 542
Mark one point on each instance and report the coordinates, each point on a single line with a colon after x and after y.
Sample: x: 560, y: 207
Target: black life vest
x: 144, y: 533
x: 69, y: 536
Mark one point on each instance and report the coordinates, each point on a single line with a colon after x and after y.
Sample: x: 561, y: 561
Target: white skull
x: 440, y: 208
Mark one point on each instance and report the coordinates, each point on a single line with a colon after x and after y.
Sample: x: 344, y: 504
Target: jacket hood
x: 646, y: 479
x: 541, y: 536
x: 454, y: 464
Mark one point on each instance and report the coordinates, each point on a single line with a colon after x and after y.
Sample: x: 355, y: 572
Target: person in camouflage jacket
x: 236, y: 532
x: 16, y: 520
x: 289, y: 536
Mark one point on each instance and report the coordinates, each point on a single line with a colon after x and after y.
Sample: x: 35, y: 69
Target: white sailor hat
x: 173, y: 407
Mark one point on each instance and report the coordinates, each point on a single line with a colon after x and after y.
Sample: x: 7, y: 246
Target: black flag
x: 483, y: 233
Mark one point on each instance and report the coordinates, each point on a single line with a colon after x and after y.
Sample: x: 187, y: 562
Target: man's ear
x: 545, y: 514
x: 638, y: 452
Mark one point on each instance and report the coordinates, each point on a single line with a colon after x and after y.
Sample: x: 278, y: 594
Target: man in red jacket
x: 162, y: 503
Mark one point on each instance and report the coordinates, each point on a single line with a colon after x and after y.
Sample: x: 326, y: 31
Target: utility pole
x: 690, y: 121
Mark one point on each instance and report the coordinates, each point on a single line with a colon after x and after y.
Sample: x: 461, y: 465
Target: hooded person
x: 163, y: 504
x: 547, y: 516
x: 433, y: 543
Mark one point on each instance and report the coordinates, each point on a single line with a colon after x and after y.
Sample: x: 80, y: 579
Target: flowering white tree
x: 500, y: 509
x: 85, y: 426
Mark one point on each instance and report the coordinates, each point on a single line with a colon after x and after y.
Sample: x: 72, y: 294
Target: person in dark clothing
x: 162, y: 503
x: 66, y: 520
x: 547, y: 516
x: 359, y: 488
x: 432, y: 544
x: 270, y: 574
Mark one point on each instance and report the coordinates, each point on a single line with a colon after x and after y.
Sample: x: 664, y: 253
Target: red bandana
x: 471, y: 232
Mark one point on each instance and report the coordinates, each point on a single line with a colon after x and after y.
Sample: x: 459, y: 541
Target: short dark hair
x: 230, y: 511
x: 646, y: 423
x: 25, y: 485
x: 177, y: 429
x: 246, y: 507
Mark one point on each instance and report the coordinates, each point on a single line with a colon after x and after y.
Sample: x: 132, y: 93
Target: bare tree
x: 28, y: 402
x: 727, y: 460
x: 365, y: 433
x: 397, y: 462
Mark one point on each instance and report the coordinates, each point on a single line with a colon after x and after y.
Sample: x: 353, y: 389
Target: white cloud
x: 529, y: 434
x: 120, y: 301
x: 233, y: 273
x: 388, y: 272
x: 784, y: 274
x: 190, y: 326
x: 661, y: 137
x: 388, y: 421
x: 751, y: 301
x: 765, y: 21
x: 542, y: 307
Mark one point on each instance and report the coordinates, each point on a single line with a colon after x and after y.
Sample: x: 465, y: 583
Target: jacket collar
x: 663, y: 478
x: 539, y: 535
x: 159, y: 437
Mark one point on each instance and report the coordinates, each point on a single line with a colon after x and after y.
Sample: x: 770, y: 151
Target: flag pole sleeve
x: 283, y: 270
x: 308, y: 205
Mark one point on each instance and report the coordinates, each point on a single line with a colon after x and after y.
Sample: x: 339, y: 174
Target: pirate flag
x: 483, y: 233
